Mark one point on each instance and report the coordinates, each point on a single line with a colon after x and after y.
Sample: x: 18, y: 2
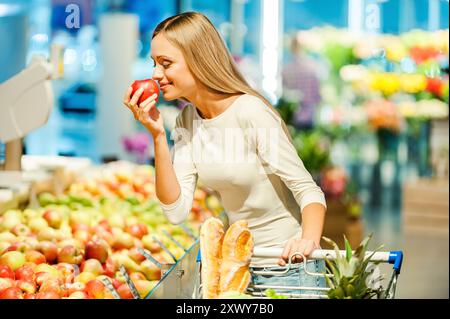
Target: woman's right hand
x: 146, y: 112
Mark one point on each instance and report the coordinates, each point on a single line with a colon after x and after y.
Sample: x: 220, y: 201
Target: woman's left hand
x: 297, y: 245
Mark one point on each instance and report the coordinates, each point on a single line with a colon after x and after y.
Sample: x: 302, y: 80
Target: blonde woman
x: 233, y: 140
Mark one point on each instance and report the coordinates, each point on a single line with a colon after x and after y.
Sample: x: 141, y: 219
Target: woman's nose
x: 157, y: 74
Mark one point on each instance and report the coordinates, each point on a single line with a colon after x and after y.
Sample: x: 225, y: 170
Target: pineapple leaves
x: 350, y: 272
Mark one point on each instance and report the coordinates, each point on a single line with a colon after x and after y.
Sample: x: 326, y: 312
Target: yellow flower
x: 387, y: 83
x: 413, y: 83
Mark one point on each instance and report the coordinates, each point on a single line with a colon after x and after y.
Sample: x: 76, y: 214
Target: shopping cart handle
x: 392, y: 257
x: 396, y: 258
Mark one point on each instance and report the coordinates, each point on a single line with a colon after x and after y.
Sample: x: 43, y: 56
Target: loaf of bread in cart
x: 211, y: 238
x: 237, y: 250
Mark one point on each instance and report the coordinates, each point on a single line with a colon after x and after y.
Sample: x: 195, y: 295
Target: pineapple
x: 349, y: 280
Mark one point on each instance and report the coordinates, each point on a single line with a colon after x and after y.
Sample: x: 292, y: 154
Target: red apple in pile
x: 49, y: 250
x: 25, y: 272
x: 93, y: 266
x: 53, y: 218
x: 150, y: 87
x: 21, y: 230
x: 48, y: 295
x: 95, y: 289
x: 124, y: 292
x: 70, y: 254
x: 11, y: 293
x: 28, y: 287
x: 137, y: 230
x: 6, y: 272
x: 6, y: 283
x: 20, y: 246
x: 35, y: 257
x: 97, y: 249
x: 109, y: 268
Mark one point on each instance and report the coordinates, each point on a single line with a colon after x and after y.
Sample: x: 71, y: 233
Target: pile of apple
x: 70, y: 245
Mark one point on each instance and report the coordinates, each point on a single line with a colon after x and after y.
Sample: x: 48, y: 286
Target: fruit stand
x: 97, y: 232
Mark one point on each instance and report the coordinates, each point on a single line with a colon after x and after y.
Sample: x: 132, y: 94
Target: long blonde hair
x: 207, y: 56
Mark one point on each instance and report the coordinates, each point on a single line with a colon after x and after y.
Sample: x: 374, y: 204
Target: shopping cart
x: 258, y: 291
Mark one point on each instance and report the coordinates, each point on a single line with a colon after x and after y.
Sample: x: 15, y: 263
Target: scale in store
x: 26, y: 101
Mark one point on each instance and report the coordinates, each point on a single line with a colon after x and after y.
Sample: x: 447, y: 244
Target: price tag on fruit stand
x: 173, y: 239
x: 110, y: 287
x: 188, y: 231
x: 164, y: 248
x: 130, y: 283
x: 144, y: 253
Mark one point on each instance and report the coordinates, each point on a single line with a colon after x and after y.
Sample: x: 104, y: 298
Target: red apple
x: 95, y: 289
x: 78, y: 295
x: 26, y: 286
x: 79, y: 226
x: 29, y: 296
x: 73, y: 287
x: 13, y: 259
x: 41, y: 277
x: 25, y: 272
x: 150, y: 87
x: 49, y: 250
x: 116, y: 283
x: 84, y: 277
x: 109, y: 267
x: 6, y: 272
x: 136, y: 255
x: 150, y: 244
x: 20, y: 246
x: 97, y: 249
x: 93, y: 266
x: 137, y: 230
x: 150, y: 270
x: 123, y: 241
x: 144, y: 286
x: 48, y: 295
x: 52, y: 284
x: 21, y: 230
x: 82, y: 235
x: 11, y: 293
x: 137, y: 276
x: 51, y: 270
x: 124, y: 292
x: 35, y: 257
x: 68, y: 271
x: 70, y: 254
x: 6, y: 283
x: 53, y: 218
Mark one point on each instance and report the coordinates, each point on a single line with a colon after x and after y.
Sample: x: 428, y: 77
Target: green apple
x: 13, y: 259
x: 37, y: 224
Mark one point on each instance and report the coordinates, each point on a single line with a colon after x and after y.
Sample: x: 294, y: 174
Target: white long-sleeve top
x: 245, y: 155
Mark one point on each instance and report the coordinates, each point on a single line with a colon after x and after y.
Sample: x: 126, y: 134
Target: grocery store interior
x: 362, y: 84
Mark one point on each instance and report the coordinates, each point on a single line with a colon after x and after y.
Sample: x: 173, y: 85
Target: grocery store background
x: 365, y: 93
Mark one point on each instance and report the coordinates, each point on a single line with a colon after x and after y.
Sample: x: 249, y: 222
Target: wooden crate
x: 338, y: 224
x: 425, y: 205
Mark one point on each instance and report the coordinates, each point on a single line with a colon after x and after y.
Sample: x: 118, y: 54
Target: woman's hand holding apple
x: 145, y: 112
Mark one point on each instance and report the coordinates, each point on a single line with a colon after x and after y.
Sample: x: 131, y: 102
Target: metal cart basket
x: 258, y: 291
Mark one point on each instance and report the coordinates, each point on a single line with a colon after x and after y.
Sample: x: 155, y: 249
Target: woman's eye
x: 165, y: 65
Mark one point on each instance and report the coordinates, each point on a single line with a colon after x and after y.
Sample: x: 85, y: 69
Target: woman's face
x: 171, y: 70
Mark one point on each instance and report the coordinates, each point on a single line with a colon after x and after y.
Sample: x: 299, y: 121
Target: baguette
x: 237, y: 249
x: 211, y: 238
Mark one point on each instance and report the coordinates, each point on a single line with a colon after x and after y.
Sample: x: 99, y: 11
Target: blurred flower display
x: 334, y: 181
x: 383, y: 114
x: 137, y: 145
